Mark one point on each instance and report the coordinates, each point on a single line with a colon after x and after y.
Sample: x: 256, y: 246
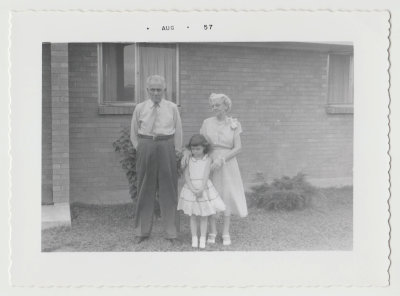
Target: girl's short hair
x: 199, y: 140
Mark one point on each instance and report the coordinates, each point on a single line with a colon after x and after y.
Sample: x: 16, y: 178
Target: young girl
x: 198, y: 197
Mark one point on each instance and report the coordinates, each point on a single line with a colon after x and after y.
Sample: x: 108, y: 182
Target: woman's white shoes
x: 211, y: 238
x: 226, y: 240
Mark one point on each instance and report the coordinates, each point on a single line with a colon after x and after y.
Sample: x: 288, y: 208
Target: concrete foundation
x: 56, y: 215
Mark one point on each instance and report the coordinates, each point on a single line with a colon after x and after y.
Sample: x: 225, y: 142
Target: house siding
x: 47, y: 167
x: 279, y: 96
x: 96, y: 174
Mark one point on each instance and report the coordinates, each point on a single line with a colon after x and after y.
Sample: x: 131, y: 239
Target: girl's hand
x: 214, y: 166
x: 199, y: 193
x: 185, y: 158
x: 195, y: 190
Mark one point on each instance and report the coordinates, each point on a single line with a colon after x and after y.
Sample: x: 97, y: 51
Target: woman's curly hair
x: 224, y: 99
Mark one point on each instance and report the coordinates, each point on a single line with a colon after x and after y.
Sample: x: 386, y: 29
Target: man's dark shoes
x: 139, y: 239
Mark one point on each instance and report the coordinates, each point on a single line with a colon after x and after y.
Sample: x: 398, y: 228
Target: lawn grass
x: 328, y: 225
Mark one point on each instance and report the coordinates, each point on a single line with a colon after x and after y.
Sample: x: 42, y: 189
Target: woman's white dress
x: 227, y: 180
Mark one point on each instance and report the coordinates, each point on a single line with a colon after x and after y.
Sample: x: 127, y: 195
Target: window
x: 340, y: 83
x: 118, y: 71
x: 124, y: 68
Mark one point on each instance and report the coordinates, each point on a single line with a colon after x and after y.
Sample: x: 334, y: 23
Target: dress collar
x: 221, y: 122
x: 232, y: 122
x: 204, y: 157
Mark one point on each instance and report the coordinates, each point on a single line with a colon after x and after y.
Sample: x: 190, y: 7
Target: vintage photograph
x: 192, y: 147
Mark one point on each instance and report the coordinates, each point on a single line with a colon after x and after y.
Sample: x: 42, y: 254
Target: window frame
x: 121, y: 107
x: 340, y: 108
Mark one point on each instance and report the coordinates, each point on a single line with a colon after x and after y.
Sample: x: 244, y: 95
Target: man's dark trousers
x: 156, y: 169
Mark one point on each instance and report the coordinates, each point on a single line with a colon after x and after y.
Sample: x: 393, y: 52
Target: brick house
x: 294, y: 100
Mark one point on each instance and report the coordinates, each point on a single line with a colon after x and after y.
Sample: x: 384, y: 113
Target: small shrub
x: 123, y: 146
x: 286, y: 193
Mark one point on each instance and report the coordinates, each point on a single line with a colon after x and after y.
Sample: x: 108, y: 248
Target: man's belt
x: 156, y: 137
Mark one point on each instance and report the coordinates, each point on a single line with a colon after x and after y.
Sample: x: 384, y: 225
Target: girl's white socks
x: 202, y: 243
x: 195, y: 242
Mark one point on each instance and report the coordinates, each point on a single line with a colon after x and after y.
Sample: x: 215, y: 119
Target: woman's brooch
x: 234, y: 123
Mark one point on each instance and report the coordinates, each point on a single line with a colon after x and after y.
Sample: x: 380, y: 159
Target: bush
x: 123, y: 146
x: 286, y: 193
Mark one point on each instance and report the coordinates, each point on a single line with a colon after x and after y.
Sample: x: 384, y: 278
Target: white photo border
x: 366, y: 265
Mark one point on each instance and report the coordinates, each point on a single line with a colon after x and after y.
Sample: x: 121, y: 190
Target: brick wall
x: 60, y: 122
x: 279, y: 96
x: 96, y: 174
x: 47, y: 169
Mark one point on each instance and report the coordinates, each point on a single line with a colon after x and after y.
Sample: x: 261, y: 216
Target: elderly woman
x: 223, y: 133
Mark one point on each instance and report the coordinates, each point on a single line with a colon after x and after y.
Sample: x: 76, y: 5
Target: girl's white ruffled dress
x: 210, y: 202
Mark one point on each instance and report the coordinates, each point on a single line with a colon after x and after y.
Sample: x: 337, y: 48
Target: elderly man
x: 156, y: 133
